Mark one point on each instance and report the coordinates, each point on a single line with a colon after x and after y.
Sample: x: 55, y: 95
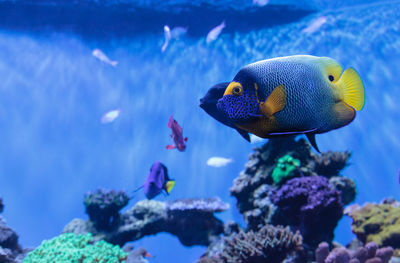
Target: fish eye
x: 331, y: 78
x: 237, y: 91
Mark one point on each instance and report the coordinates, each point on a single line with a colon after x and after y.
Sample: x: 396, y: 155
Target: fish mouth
x: 204, y: 103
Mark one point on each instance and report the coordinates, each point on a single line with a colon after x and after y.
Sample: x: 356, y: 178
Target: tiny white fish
x: 214, y: 33
x: 218, y: 161
x: 167, y: 35
x: 97, y: 53
x: 255, y: 139
x: 110, y: 116
x: 315, y: 25
x: 178, y: 31
x: 260, y: 2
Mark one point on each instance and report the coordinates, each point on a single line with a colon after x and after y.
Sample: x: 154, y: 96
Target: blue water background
x: 53, y: 93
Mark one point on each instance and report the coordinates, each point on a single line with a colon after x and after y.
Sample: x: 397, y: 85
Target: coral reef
x: 191, y: 220
x: 103, y: 207
x: 137, y: 255
x: 370, y: 253
x: 10, y: 250
x: 346, y: 187
x: 285, y: 168
x: 69, y: 247
x: 310, y: 199
x: 378, y: 223
x: 330, y: 163
x: 310, y: 205
x: 269, y: 244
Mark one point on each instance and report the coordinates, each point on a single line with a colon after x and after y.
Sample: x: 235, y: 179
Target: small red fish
x: 176, y: 135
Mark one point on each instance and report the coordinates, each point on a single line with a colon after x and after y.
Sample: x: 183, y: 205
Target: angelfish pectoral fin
x: 313, y: 142
x: 275, y: 102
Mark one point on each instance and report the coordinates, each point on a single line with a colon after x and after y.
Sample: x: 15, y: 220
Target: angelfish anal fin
x: 313, y: 142
x: 244, y: 134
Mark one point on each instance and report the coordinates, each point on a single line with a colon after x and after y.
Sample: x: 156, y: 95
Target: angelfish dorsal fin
x: 313, y: 142
x: 275, y: 102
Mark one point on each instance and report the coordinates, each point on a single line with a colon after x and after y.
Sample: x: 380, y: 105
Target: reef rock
x: 191, y: 220
x: 378, y: 223
x: 284, y: 182
x: 346, y: 187
x: 330, y: 163
x: 9, y: 247
x: 103, y: 207
x: 1, y: 205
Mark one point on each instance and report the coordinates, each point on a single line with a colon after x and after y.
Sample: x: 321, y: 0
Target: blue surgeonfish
x: 209, y: 104
x: 157, y: 180
x: 299, y: 94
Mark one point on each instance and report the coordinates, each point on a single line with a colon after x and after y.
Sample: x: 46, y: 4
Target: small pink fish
x: 176, y: 135
x: 214, y: 33
x: 97, y: 53
x: 167, y: 36
x: 315, y: 25
x: 110, y: 116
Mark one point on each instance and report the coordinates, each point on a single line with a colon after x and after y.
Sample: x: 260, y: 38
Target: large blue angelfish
x: 292, y: 95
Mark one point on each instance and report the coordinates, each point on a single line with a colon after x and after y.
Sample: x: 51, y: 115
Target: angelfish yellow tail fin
x: 352, y: 89
x: 169, y: 185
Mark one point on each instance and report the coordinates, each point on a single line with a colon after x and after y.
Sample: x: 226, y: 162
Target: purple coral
x: 368, y: 254
x: 338, y: 255
x: 310, y: 205
x: 322, y: 252
x: 385, y: 254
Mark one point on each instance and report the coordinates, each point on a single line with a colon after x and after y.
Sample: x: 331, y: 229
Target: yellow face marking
x: 234, y: 88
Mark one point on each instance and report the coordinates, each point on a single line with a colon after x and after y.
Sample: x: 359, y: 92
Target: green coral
x: 379, y: 223
x: 286, y: 168
x: 71, y: 248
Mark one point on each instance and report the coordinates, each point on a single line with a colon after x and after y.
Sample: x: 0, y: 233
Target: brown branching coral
x: 269, y: 244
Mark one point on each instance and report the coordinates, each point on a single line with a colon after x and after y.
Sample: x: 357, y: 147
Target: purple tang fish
x: 176, y: 135
x: 157, y: 180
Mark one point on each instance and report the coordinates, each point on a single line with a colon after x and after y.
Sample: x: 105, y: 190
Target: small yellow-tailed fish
x: 299, y: 94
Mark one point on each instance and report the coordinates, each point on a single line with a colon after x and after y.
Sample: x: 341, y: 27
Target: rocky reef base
x: 291, y: 200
